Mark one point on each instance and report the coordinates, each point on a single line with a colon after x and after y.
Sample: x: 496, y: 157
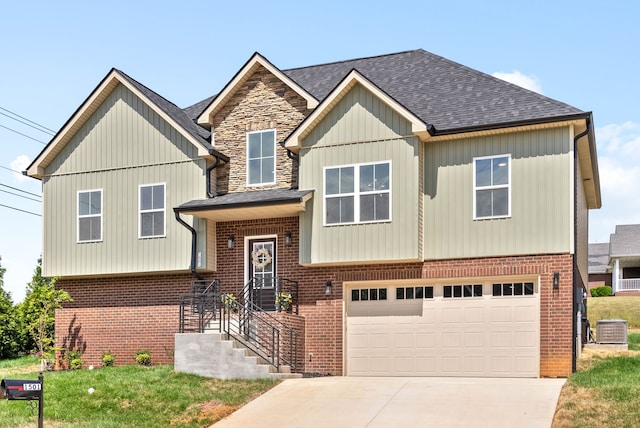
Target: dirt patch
x: 590, y: 356
x: 206, y: 413
x: 20, y: 370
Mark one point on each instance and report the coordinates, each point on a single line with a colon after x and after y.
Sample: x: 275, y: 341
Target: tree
x: 10, y: 342
x: 38, y: 310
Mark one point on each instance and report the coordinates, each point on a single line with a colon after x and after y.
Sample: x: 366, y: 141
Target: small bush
x: 74, y: 359
x: 143, y: 357
x: 108, y: 359
x: 605, y: 290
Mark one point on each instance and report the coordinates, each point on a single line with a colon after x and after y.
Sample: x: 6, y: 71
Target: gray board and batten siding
x: 123, y: 145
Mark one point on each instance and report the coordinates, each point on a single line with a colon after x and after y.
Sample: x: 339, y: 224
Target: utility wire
x: 24, y: 135
x: 12, y: 170
x: 26, y: 123
x: 18, y: 209
x: 20, y: 190
x: 21, y: 196
x: 51, y: 131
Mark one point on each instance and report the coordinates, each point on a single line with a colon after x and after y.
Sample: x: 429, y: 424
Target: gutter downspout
x: 574, y: 309
x: 294, y: 158
x: 194, y: 240
x: 208, y: 179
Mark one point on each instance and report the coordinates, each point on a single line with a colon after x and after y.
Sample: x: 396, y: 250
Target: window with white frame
x: 261, y: 157
x: 492, y: 186
x: 152, y: 211
x: 90, y: 215
x: 357, y: 193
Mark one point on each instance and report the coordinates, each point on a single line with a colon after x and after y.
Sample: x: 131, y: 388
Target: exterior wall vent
x: 611, y: 331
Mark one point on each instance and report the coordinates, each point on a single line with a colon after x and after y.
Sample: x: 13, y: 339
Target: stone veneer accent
x: 262, y: 102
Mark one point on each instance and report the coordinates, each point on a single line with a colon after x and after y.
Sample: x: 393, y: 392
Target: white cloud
x: 517, y: 78
x: 20, y: 164
x: 619, y: 168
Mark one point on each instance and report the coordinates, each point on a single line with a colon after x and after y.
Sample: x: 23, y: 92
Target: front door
x: 262, y: 272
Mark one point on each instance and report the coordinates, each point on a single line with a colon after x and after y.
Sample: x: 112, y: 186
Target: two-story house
x: 434, y: 217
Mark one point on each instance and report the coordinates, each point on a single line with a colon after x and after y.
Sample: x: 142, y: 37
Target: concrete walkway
x: 401, y: 402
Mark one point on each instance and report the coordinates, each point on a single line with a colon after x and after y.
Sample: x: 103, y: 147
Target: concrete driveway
x: 376, y: 402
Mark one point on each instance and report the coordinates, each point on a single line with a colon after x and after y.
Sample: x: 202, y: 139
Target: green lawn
x: 605, y: 391
x: 126, y: 397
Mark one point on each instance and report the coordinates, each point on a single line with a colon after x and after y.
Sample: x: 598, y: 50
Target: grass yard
x: 126, y: 396
x: 626, y: 308
x: 605, y: 390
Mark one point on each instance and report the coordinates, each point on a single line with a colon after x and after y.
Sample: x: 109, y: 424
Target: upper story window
x: 152, y: 207
x: 90, y: 215
x: 357, y: 193
x: 492, y: 186
x: 261, y: 157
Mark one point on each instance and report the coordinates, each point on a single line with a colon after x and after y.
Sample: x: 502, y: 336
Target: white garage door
x: 481, y: 330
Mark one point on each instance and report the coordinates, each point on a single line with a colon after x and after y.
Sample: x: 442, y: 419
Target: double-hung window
x: 90, y: 215
x: 152, y: 211
x: 492, y: 186
x: 357, y: 193
x: 261, y: 157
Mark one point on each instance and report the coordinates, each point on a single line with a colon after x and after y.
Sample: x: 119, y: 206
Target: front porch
x: 257, y: 334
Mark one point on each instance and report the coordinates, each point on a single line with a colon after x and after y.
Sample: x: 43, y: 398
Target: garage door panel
x: 479, y: 336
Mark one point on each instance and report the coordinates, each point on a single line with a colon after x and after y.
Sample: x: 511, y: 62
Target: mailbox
x: 14, y: 389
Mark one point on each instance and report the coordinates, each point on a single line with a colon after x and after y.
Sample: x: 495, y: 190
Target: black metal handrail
x: 272, y: 294
x: 200, y: 306
x: 259, y: 331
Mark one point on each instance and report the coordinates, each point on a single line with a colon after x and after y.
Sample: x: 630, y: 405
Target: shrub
x: 143, y: 357
x: 605, y: 290
x: 108, y: 359
x: 74, y: 359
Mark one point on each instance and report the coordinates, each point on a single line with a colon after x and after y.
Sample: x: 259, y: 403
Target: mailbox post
x: 15, y: 389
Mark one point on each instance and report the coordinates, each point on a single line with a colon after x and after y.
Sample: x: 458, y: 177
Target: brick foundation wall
x: 121, y: 315
x: 126, y: 314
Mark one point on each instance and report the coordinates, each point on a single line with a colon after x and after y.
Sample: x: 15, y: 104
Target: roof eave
x: 418, y: 127
x: 245, y: 72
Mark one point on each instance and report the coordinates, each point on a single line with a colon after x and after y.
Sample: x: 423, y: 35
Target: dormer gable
x: 253, y: 64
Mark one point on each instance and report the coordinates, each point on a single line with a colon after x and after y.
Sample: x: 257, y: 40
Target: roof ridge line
x: 352, y: 59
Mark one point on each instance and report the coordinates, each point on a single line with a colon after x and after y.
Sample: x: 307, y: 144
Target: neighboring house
x: 433, y: 217
x: 617, y: 263
x: 599, y: 271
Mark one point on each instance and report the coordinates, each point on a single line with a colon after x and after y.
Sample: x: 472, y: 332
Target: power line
x: 12, y: 170
x: 18, y: 209
x: 24, y: 135
x: 21, y: 196
x: 20, y: 190
x: 26, y: 123
x: 30, y: 121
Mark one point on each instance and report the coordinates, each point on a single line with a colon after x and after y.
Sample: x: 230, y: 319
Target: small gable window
x: 90, y: 215
x: 358, y: 193
x: 261, y: 157
x: 152, y: 212
x: 492, y: 187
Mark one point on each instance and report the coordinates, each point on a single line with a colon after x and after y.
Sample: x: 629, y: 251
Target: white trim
x: 275, y: 146
x: 242, y: 75
x: 293, y: 142
x: 163, y: 210
x: 78, y: 216
x: 492, y: 187
x: 355, y: 194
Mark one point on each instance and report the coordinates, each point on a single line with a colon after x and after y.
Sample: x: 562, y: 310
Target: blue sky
x: 53, y: 54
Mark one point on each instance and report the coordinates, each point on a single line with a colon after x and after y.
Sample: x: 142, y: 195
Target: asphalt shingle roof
x: 625, y: 241
x: 598, y: 257
x: 260, y: 197
x: 442, y: 93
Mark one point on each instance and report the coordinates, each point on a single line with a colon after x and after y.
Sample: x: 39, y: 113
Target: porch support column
x: 616, y: 276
